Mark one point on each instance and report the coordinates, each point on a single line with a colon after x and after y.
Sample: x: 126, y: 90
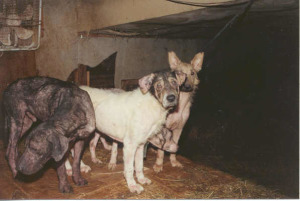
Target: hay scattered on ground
x: 194, y: 181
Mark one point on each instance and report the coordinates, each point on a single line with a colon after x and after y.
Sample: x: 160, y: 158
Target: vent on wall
x: 20, y: 24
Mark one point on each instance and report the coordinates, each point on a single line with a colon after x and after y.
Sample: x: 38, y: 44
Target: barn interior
x: 241, y: 139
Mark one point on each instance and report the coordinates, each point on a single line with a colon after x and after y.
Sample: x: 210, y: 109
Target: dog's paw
x: 144, y: 180
x: 80, y: 181
x: 85, y: 168
x: 135, y: 188
x: 176, y: 163
x: 66, y: 188
x: 157, y: 168
x: 112, y: 166
x: 97, y: 161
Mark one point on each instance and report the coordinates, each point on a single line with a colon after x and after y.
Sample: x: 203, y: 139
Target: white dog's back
x: 127, y: 114
x: 97, y: 95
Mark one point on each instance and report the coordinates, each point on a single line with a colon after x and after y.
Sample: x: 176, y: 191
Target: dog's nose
x: 170, y: 98
x: 188, y: 86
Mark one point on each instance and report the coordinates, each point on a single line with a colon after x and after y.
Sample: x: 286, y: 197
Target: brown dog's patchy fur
x: 65, y: 114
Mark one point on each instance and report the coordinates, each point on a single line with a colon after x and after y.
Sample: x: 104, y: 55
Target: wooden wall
x: 14, y: 65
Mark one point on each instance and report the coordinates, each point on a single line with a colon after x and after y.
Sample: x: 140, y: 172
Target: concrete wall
x: 135, y: 57
x: 57, y: 55
x: 61, y: 50
x: 14, y: 65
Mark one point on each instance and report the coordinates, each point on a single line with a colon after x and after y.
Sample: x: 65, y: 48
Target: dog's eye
x: 192, y: 73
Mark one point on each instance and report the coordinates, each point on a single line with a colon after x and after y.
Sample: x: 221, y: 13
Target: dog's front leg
x: 64, y: 186
x: 129, y: 151
x: 158, y: 166
x: 105, y: 145
x: 139, y: 164
x: 173, y: 160
x: 77, y: 178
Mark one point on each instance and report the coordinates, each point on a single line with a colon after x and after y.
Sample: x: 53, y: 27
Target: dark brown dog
x: 65, y: 113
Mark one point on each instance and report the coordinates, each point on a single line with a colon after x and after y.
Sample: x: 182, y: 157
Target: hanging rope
x: 238, y: 18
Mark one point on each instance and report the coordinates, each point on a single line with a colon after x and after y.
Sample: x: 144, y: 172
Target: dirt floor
x: 194, y: 181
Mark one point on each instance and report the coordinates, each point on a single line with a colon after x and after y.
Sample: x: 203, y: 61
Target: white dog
x: 175, y: 120
x: 134, y: 117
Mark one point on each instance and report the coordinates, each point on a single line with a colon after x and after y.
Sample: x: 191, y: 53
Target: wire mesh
x: 20, y: 23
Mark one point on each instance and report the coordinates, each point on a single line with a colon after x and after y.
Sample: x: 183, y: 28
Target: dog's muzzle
x: 170, y: 101
x: 30, y: 163
x: 186, y: 88
x: 171, y: 98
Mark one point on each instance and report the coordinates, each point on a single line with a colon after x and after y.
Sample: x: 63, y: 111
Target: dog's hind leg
x: 18, y: 126
x: 83, y: 167
x: 105, y: 145
x: 68, y: 167
x: 139, y: 164
x: 12, y: 152
x: 113, y: 158
x: 76, y: 175
x: 174, y: 161
x: 93, y: 145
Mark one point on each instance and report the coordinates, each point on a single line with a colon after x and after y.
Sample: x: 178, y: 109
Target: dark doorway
x: 100, y: 76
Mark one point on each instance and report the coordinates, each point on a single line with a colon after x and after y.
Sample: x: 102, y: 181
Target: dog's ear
x: 181, y: 76
x: 198, y: 61
x: 60, y: 145
x: 174, y: 61
x: 146, y: 82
